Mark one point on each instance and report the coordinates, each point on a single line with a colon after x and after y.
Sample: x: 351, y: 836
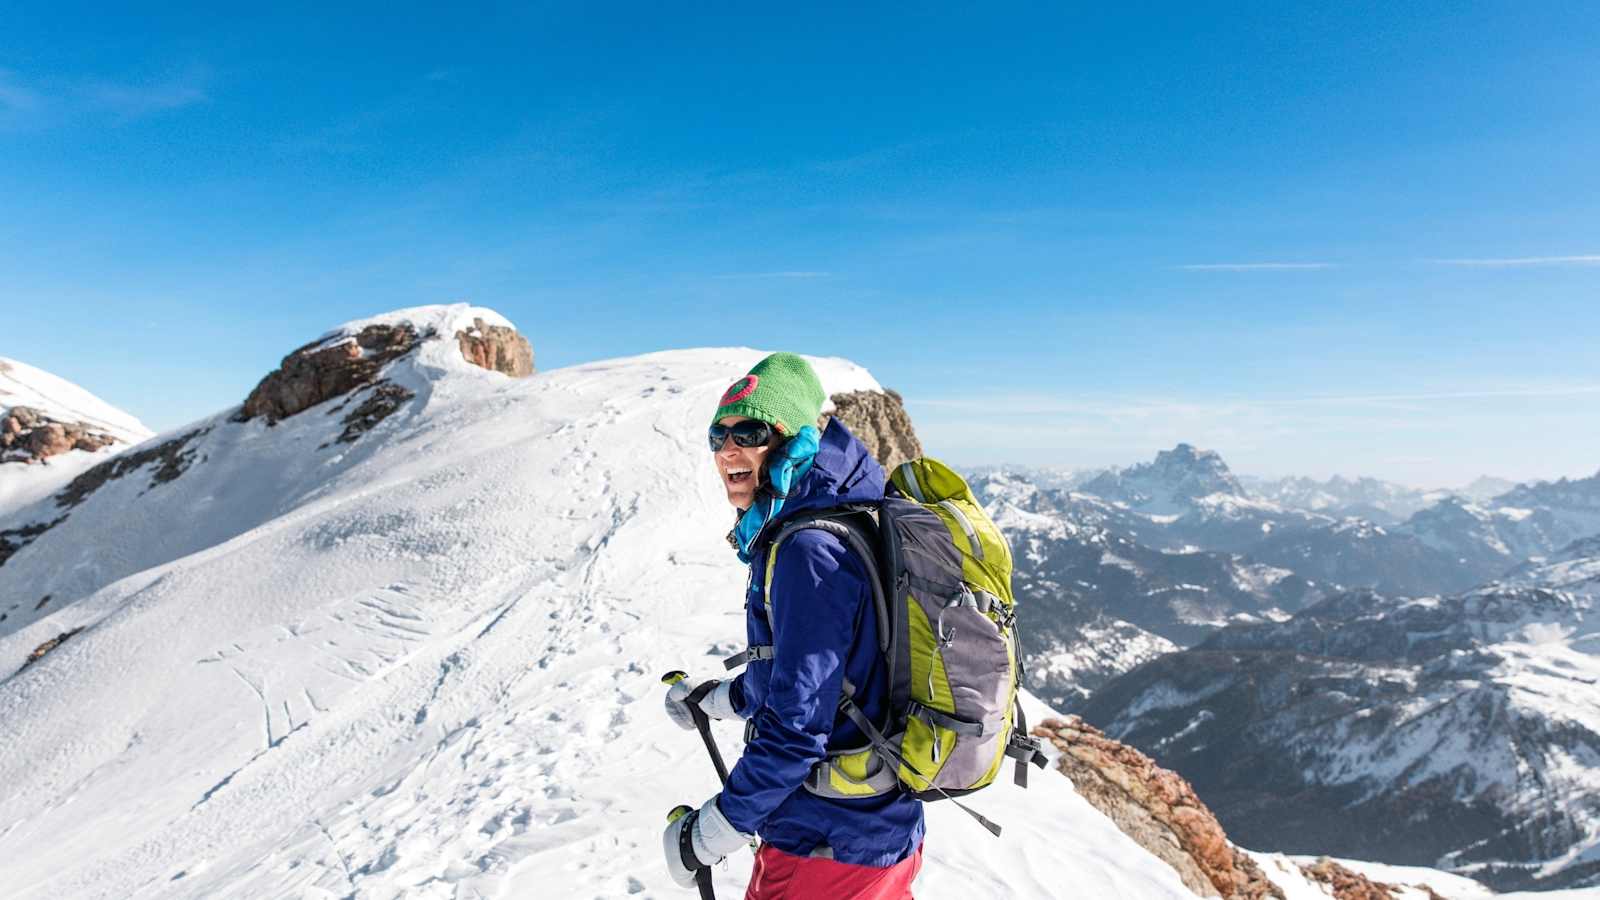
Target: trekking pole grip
x: 702, y: 874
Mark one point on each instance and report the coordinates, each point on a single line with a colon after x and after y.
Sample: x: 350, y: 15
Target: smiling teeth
x: 738, y: 471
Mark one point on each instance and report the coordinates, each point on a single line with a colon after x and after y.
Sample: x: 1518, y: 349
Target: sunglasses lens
x: 749, y: 433
x: 718, y: 434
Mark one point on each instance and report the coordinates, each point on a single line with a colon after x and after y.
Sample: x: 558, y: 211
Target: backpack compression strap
x: 1023, y: 747
x: 892, y: 756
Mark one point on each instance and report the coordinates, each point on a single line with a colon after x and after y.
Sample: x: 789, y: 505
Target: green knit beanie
x: 781, y: 390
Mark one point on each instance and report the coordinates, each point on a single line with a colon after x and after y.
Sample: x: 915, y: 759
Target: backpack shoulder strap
x: 850, y: 525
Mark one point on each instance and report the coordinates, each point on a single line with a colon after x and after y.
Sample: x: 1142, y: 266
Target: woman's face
x: 740, y: 467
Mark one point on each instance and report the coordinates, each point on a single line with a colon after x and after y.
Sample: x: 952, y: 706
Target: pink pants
x: 784, y: 876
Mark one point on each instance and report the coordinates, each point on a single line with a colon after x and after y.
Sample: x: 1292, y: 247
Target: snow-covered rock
x: 51, y: 430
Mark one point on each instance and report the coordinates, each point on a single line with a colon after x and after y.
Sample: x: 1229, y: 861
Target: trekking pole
x: 702, y: 875
x: 701, y: 720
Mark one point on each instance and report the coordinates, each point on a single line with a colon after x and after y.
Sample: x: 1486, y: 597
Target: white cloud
x: 35, y: 104
x: 1255, y: 267
x: 1581, y: 260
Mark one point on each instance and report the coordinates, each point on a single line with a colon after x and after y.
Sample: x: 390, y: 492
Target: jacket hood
x: 843, y: 471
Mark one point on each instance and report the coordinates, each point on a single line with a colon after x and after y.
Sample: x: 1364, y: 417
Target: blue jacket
x: 823, y: 630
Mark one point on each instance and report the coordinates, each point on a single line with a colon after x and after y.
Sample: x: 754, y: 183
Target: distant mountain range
x: 1462, y: 731
x: 1417, y: 685
x: 1177, y: 547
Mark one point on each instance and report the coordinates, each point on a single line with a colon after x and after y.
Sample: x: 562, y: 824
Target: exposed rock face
x: 319, y: 371
x: 1157, y: 809
x: 325, y: 369
x: 1348, y: 885
x: 28, y: 435
x: 14, y: 539
x: 173, y: 456
x: 881, y: 422
x: 380, y: 403
x: 496, y: 348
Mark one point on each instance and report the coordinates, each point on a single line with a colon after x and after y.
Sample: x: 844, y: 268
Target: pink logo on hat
x: 741, y: 389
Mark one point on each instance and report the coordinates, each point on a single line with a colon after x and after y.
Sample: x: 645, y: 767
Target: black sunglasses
x: 749, y: 433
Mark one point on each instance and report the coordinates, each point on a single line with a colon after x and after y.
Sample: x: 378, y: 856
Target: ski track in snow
x: 428, y: 666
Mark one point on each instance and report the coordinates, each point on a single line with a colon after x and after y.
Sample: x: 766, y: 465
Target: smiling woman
x: 741, y: 446
x: 776, y: 468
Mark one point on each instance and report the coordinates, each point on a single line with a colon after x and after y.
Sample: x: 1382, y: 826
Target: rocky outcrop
x: 1347, y: 885
x: 27, y: 435
x: 1157, y: 809
x: 171, y: 458
x: 881, y: 422
x: 39, y: 651
x: 380, y: 403
x: 320, y: 371
x: 330, y: 368
x: 496, y: 348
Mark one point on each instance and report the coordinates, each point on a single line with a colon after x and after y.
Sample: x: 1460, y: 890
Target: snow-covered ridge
x: 24, y: 385
x: 422, y: 663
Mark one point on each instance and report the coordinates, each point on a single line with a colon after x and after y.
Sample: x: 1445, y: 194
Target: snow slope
x: 422, y: 665
x: 24, y: 385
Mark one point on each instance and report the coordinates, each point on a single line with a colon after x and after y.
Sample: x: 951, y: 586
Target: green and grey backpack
x: 947, y: 628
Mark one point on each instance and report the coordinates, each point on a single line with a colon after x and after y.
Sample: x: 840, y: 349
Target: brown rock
x: 39, y: 651
x: 880, y: 421
x: 27, y: 435
x: 496, y: 348
x: 1156, y: 808
x: 385, y: 398
x: 91, y: 442
x: 317, y: 372
x: 47, y: 441
x: 1348, y: 885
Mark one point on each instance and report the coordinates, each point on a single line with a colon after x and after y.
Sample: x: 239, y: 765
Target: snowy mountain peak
x: 455, y: 337
x: 1170, y: 483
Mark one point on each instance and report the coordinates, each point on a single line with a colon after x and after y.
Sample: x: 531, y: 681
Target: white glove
x: 712, y: 837
x: 718, y: 703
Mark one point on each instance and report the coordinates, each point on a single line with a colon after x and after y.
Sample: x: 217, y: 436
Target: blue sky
x: 1360, y: 240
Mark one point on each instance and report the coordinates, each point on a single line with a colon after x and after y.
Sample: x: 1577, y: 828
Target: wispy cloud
x: 133, y: 101
x: 1581, y: 260
x: 1422, y: 437
x: 784, y: 274
x: 34, y: 104
x: 1255, y: 266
